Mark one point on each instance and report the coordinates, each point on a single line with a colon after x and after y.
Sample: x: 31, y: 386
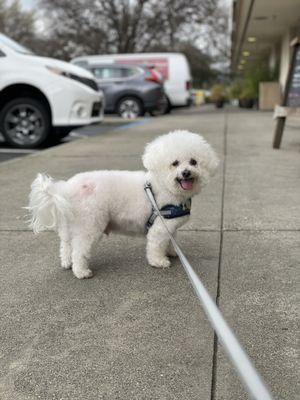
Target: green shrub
x: 218, y: 93
x: 247, y: 87
x: 249, y: 90
x: 235, y: 89
x: 259, y: 72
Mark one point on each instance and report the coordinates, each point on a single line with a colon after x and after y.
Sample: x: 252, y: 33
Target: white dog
x: 90, y: 204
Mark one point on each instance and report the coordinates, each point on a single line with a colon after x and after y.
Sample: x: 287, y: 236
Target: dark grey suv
x: 129, y: 90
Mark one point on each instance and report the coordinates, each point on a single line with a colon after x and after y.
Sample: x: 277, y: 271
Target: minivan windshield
x: 6, y: 41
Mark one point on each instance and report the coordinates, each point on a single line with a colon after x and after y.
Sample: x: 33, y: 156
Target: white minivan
x: 43, y: 98
x: 173, y: 67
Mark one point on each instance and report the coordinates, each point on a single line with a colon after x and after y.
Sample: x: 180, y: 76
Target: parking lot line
x: 134, y: 123
x: 77, y: 135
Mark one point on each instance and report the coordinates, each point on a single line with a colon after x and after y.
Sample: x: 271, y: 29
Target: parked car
x: 173, y: 67
x: 41, y: 98
x: 129, y: 90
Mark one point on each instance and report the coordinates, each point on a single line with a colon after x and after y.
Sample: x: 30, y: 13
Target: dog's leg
x: 82, y: 242
x: 81, y: 249
x: 157, y: 246
x: 65, y: 247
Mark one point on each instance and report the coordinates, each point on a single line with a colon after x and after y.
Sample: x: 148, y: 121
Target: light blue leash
x: 239, y: 358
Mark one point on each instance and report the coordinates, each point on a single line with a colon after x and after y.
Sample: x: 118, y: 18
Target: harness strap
x: 169, y: 211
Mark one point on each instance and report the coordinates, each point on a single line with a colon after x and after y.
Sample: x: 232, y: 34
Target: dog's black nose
x: 186, y: 173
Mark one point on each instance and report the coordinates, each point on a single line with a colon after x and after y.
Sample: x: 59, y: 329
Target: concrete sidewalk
x: 133, y: 332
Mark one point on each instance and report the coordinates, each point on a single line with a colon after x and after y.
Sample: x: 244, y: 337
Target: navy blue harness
x: 169, y: 211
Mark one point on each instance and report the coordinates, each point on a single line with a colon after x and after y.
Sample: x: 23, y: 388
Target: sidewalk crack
x: 215, y: 346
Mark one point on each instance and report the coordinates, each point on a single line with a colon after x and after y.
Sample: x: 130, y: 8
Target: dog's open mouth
x: 186, y: 184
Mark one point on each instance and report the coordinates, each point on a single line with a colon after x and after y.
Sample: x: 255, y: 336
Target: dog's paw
x: 160, y: 263
x: 83, y: 273
x: 66, y: 265
x: 172, y: 252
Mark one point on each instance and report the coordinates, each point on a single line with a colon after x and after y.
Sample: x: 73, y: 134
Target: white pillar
x: 285, y: 56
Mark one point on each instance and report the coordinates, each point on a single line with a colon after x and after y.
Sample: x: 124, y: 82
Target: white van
x: 42, y: 98
x: 173, y: 67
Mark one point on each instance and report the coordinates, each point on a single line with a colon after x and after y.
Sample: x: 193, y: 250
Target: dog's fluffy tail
x: 47, y: 204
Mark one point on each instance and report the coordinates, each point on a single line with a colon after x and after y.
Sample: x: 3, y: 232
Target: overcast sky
x: 28, y: 4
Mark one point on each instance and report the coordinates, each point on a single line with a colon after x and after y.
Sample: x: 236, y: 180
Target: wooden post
x: 280, y: 122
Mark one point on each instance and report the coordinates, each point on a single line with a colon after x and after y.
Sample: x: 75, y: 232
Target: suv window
x: 131, y: 71
x: 82, y: 64
x: 113, y: 72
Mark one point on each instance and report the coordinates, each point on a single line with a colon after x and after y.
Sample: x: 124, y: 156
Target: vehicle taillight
x: 188, y: 85
x: 153, y: 76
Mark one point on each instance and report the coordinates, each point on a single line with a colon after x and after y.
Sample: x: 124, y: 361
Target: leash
x: 169, y: 211
x: 239, y: 358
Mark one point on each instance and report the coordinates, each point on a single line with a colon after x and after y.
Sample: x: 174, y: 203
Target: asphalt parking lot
x: 109, y: 123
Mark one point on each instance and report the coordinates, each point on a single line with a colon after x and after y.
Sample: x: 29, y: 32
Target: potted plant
x: 257, y: 73
x: 235, y: 91
x: 248, y: 95
x: 218, y: 95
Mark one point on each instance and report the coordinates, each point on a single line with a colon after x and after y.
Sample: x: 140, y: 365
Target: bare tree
x: 123, y: 26
x: 80, y: 27
x: 16, y: 23
x: 216, y: 37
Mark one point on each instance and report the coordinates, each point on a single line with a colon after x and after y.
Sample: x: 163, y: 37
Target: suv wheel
x: 163, y: 107
x: 25, y: 122
x: 130, y: 108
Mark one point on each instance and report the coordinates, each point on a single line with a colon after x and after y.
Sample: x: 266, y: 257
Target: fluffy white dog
x: 92, y: 203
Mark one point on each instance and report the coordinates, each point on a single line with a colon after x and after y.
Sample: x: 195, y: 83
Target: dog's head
x: 181, y: 161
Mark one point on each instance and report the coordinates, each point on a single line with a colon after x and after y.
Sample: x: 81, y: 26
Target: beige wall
x: 269, y: 95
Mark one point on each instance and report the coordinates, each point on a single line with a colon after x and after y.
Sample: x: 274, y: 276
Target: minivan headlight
x: 91, y: 83
x: 58, y: 71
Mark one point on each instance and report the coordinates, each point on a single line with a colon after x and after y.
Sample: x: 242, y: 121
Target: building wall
x: 285, y: 58
x: 273, y: 58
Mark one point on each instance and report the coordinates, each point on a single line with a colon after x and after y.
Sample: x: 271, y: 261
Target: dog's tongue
x: 186, y: 184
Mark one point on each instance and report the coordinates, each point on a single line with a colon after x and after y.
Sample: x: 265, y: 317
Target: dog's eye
x: 193, y: 161
x: 175, y: 163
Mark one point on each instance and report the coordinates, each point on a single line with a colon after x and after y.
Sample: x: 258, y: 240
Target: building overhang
x: 258, y: 27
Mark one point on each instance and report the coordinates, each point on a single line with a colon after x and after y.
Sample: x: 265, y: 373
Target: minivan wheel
x: 130, y: 108
x: 25, y: 122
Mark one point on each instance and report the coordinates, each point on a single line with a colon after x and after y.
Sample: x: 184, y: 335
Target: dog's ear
x: 151, y: 155
x: 212, y: 161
